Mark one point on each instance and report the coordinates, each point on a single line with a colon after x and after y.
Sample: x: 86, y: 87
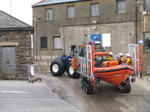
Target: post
x: 140, y: 60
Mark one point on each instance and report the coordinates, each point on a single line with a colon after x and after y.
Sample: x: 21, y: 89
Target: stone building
x: 59, y: 24
x: 15, y: 41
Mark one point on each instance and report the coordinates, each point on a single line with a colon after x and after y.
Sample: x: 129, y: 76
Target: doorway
x: 8, y: 57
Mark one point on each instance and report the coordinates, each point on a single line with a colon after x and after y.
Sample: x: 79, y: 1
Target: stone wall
x: 22, y: 42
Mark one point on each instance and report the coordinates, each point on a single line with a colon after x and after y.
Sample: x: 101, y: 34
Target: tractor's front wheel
x: 71, y: 72
x: 57, y: 68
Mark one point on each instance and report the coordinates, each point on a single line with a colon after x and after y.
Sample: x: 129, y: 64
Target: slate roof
x: 51, y: 2
x: 8, y: 22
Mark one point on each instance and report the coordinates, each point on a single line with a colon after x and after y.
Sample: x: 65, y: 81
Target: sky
x: 20, y: 9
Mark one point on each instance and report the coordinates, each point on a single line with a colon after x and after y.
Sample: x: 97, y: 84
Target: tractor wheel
x: 57, y: 68
x: 127, y: 89
x: 71, y: 72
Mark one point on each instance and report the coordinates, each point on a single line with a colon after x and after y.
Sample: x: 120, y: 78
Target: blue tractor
x: 63, y: 64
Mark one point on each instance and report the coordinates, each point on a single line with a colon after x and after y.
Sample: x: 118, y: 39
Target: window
x: 71, y: 12
x: 57, y: 42
x: 146, y: 41
x: 49, y: 14
x: 147, y: 4
x: 95, y: 9
x: 82, y: 51
x: 43, y: 42
x: 121, y: 6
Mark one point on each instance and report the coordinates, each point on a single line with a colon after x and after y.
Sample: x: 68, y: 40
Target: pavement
x: 21, y: 96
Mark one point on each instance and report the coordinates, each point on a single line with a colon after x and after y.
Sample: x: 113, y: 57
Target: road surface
x: 107, y: 98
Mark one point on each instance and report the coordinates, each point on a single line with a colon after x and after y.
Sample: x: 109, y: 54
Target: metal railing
x: 22, y: 71
x: 34, y: 73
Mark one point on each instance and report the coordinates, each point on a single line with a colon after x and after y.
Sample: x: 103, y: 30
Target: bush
x: 2, y: 76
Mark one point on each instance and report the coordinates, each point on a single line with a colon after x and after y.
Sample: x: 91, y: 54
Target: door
x: 8, y: 57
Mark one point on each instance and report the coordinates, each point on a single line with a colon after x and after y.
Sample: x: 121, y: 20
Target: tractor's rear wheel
x: 71, y: 72
x: 57, y: 68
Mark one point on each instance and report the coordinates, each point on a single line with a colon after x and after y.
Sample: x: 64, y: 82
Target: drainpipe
x: 64, y: 40
x: 136, y: 20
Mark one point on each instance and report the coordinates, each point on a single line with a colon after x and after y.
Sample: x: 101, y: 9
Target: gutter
x: 46, y: 4
x: 18, y: 28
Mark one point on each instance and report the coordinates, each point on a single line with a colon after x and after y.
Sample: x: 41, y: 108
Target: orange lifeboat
x: 113, y: 73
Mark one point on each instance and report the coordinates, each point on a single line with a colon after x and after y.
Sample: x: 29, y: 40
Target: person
x: 121, y: 58
x: 128, y: 60
x: 109, y: 57
x: 99, y: 61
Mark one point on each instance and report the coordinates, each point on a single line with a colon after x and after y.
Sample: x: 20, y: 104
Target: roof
x: 8, y: 22
x: 52, y: 2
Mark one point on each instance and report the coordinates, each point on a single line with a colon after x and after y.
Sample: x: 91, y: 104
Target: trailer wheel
x: 89, y: 88
x: 82, y: 82
x: 127, y: 89
x: 71, y: 72
x: 86, y: 86
x: 57, y: 68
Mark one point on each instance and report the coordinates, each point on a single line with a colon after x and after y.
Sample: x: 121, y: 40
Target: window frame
x: 117, y: 9
x: 42, y: 42
x: 146, y: 6
x: 145, y: 43
x: 51, y: 18
x: 59, y: 42
x: 91, y: 14
x: 69, y: 13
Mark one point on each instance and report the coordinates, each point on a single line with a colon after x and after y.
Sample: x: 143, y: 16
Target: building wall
x: 122, y: 27
x: 146, y: 63
x: 21, y: 40
x: 43, y: 57
x: 119, y: 34
x: 146, y: 54
x: 82, y: 13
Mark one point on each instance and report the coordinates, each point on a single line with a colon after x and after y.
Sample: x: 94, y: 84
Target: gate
x: 22, y: 71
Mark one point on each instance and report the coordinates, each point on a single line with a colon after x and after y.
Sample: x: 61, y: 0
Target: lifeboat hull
x: 114, y: 75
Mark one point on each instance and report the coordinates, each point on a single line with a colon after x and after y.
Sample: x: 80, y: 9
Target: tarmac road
x: 107, y: 98
x: 21, y: 96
